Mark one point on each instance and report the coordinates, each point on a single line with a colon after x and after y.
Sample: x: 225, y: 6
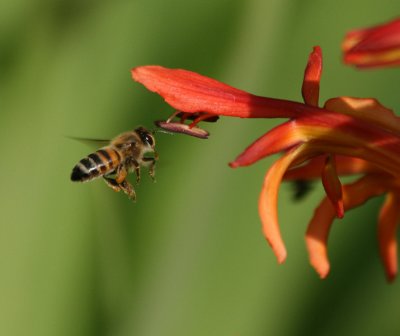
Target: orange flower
x: 346, y: 136
x: 377, y: 46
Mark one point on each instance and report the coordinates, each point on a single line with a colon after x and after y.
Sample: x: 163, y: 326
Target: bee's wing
x: 91, y: 142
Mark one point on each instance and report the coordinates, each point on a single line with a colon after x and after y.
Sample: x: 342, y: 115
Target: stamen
x: 203, y: 116
x: 173, y: 116
x: 177, y: 127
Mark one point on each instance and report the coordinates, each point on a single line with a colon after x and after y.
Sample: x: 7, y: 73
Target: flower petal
x: 374, y: 60
x: 381, y: 37
x: 345, y: 165
x: 366, y: 109
x: 388, y: 221
x: 327, y: 127
x: 317, y: 237
x: 375, y: 46
x: 312, y: 76
x: 268, y: 201
x: 332, y: 185
x: 190, y: 92
x: 318, y: 230
x: 278, y: 139
x: 354, y: 37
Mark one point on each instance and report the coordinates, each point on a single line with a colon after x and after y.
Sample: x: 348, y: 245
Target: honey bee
x: 124, y: 154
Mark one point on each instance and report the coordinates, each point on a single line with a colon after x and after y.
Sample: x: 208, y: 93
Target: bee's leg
x: 132, y: 165
x: 121, y: 174
x: 136, y: 167
x: 151, y: 163
x: 127, y: 188
x: 114, y: 185
x: 124, y: 185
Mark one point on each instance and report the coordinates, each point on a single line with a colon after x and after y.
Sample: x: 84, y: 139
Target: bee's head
x: 146, y: 137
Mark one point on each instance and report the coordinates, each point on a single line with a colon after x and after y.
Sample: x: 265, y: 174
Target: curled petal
x: 354, y: 195
x: 366, y: 109
x: 268, y: 201
x: 312, y: 76
x: 345, y: 165
x: 317, y: 237
x: 190, y: 92
x: 388, y: 221
x: 332, y: 185
x: 278, y: 139
x: 374, y: 46
x: 327, y: 127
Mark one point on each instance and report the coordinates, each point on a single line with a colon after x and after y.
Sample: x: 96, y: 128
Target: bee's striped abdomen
x: 97, y: 164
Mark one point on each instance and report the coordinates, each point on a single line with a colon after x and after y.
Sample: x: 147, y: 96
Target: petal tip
x: 233, y: 164
x: 340, y: 210
x: 318, y: 258
x: 138, y: 72
x: 322, y: 270
x: 324, y: 275
x: 390, y: 277
x: 281, y: 257
x: 134, y: 72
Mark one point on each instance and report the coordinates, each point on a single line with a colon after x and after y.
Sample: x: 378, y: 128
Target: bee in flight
x: 124, y: 154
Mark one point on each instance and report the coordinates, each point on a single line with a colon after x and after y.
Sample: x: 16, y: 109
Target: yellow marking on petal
x: 365, y: 58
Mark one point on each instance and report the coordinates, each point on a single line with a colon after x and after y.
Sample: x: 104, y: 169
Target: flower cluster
x: 344, y: 137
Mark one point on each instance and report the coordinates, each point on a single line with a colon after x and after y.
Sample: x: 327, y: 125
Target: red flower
x: 373, y: 47
x: 346, y: 136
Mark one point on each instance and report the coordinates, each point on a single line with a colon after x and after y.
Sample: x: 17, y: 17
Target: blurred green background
x: 189, y: 257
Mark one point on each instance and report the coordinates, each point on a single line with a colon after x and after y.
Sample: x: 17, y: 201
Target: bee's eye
x: 145, y: 136
x: 149, y: 139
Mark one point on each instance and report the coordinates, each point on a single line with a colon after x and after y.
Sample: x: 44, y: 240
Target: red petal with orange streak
x: 312, y: 76
x: 329, y: 127
x: 278, y: 139
x: 375, y: 60
x: 190, y: 92
x: 387, y: 226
